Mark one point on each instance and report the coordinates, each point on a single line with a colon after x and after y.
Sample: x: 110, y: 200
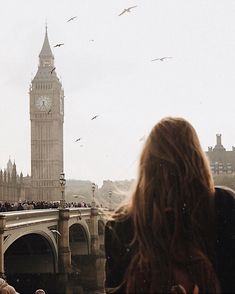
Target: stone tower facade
x: 47, y: 118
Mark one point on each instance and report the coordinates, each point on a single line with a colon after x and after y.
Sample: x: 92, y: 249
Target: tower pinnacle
x: 46, y: 57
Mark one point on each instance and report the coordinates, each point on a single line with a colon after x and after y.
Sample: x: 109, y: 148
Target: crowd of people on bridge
x: 28, y: 205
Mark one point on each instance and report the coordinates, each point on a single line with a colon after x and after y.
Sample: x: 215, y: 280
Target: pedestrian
x: 177, y: 231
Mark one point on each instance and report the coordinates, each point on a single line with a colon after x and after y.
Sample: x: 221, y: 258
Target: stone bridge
x: 50, y: 240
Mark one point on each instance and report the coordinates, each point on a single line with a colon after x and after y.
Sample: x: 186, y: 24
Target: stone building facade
x: 13, y: 186
x: 222, y: 161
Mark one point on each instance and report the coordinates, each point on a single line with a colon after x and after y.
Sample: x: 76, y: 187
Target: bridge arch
x: 79, y: 238
x: 38, y: 247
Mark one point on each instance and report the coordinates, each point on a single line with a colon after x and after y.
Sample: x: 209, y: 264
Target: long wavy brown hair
x: 172, y: 213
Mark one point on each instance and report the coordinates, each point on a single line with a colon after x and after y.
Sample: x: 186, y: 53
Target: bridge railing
x: 81, y: 211
x: 28, y: 217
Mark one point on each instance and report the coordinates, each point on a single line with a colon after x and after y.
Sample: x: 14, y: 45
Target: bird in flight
x: 94, y: 117
x: 127, y: 10
x: 162, y: 58
x: 55, y: 231
x: 58, y: 45
x: 91, y: 40
x: 52, y: 70
x: 78, y: 139
x: 49, y: 111
x: 72, y: 18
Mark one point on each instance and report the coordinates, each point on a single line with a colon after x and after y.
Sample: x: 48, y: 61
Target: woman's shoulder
x: 120, y: 228
x: 225, y: 208
x: 120, y: 218
x: 224, y: 197
x: 224, y: 190
x: 120, y: 223
x: 225, y: 242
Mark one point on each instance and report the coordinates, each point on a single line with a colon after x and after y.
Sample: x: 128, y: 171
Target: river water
x: 51, y: 284
x: 56, y: 283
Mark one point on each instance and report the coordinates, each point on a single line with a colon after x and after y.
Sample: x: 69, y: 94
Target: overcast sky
x: 115, y: 78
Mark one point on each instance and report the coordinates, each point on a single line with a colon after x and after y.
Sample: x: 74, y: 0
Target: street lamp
x: 110, y: 195
x: 93, y: 194
x: 62, y: 186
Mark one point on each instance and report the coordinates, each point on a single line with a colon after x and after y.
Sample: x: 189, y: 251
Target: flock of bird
x: 125, y: 10
x: 91, y: 40
x: 80, y: 138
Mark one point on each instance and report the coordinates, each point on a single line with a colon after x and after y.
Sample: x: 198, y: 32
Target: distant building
x: 221, y: 160
x: 13, y: 186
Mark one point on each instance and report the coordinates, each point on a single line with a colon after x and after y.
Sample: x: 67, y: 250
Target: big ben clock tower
x: 47, y: 118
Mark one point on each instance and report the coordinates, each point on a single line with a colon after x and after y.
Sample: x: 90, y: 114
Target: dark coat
x: 118, y: 235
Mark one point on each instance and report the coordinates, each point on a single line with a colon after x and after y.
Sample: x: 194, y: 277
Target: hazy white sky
x: 115, y: 78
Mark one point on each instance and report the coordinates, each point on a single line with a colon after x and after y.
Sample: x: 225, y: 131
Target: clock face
x: 43, y: 103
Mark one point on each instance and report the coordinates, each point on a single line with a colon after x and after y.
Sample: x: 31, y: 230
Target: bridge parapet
x: 82, y: 212
x: 15, y: 219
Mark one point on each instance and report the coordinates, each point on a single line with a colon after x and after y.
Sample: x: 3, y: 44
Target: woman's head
x: 172, y: 165
x: 173, y: 149
x: 169, y: 206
